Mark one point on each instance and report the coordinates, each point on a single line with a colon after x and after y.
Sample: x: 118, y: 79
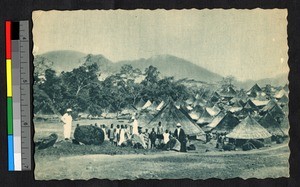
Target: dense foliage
x: 82, y: 89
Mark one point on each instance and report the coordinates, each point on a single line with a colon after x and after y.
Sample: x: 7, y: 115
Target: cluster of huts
x: 256, y: 114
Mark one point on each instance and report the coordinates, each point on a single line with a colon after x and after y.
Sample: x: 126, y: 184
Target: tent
x: 268, y: 122
x: 249, y: 129
x: 169, y: 116
x: 227, y: 124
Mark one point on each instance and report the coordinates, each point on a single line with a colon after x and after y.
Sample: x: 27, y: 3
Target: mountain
x: 64, y: 60
x: 279, y: 80
x: 169, y: 65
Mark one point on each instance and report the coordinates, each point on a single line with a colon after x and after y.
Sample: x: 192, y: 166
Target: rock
x: 46, y: 142
x: 248, y: 146
x: 229, y: 147
x: 258, y: 144
x: 89, y: 135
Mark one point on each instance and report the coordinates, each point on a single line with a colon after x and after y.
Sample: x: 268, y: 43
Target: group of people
x: 122, y: 135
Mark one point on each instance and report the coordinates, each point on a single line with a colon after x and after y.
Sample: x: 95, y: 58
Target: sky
x: 248, y: 44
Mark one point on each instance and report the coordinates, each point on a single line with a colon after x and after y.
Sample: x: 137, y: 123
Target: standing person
x: 67, y: 120
x: 166, y: 137
x: 152, y: 137
x: 118, y: 134
x: 111, y: 134
x: 179, y: 134
x: 135, y: 125
x: 115, y: 140
x: 159, y: 132
x: 122, y: 136
x: 146, y: 138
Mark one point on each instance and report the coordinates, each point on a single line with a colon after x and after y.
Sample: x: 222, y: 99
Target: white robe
x: 122, y: 137
x: 67, y: 120
x: 135, y: 125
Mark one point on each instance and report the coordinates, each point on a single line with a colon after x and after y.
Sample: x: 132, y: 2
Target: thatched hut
x: 248, y: 129
x: 169, y: 116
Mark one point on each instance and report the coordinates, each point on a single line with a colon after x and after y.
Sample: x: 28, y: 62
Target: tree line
x: 83, y: 91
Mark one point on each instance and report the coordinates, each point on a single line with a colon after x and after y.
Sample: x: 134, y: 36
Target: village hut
x: 228, y: 93
x: 190, y: 100
x: 153, y: 106
x: 283, y: 100
x: 269, y: 106
x: 214, y: 122
x: 160, y: 105
x: 268, y: 122
x: 254, y: 91
x: 147, y: 104
x: 226, y: 124
x: 205, y: 118
x: 169, y: 116
x: 248, y: 129
x: 140, y: 104
x: 215, y: 97
x: 286, y: 88
x: 277, y: 113
x: 260, y: 103
x: 280, y: 94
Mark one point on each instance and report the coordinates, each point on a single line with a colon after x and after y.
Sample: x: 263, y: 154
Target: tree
x: 151, y: 76
x: 80, y: 78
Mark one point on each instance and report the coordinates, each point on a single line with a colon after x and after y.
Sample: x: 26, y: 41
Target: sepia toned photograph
x: 160, y: 94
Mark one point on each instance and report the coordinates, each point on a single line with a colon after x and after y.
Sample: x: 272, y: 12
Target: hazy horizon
x: 248, y: 44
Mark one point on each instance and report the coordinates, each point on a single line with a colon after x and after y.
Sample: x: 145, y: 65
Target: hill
x: 64, y: 60
x: 169, y: 65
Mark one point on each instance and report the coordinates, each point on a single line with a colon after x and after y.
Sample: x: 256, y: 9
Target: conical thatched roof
x: 280, y: 94
x: 276, y: 111
x: 255, y: 88
x: 216, y: 120
x: 286, y: 88
x: 169, y: 116
x: 140, y: 104
x: 268, y: 122
x: 160, y: 105
x: 269, y: 106
x: 147, y: 104
x: 227, y: 123
x: 153, y: 106
x: 205, y: 118
x: 283, y: 99
x: 249, y: 129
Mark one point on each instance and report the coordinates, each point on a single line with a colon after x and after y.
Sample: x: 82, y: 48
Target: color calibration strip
x: 18, y: 95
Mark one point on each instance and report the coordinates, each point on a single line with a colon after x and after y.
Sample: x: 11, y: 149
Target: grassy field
x: 69, y: 161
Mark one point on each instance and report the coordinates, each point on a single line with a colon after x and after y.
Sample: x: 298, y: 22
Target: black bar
x: 15, y: 29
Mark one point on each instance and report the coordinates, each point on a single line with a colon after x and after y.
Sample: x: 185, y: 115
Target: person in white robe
x: 67, y: 120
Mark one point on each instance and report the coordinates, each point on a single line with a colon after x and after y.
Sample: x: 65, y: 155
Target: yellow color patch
x: 9, y: 77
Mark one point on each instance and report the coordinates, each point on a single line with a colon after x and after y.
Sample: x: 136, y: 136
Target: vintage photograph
x: 160, y: 94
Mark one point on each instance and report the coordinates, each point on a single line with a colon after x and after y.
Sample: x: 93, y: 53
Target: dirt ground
x: 69, y: 161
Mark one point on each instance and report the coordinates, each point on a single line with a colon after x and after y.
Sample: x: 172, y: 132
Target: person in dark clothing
x: 152, y: 137
x: 179, y: 134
